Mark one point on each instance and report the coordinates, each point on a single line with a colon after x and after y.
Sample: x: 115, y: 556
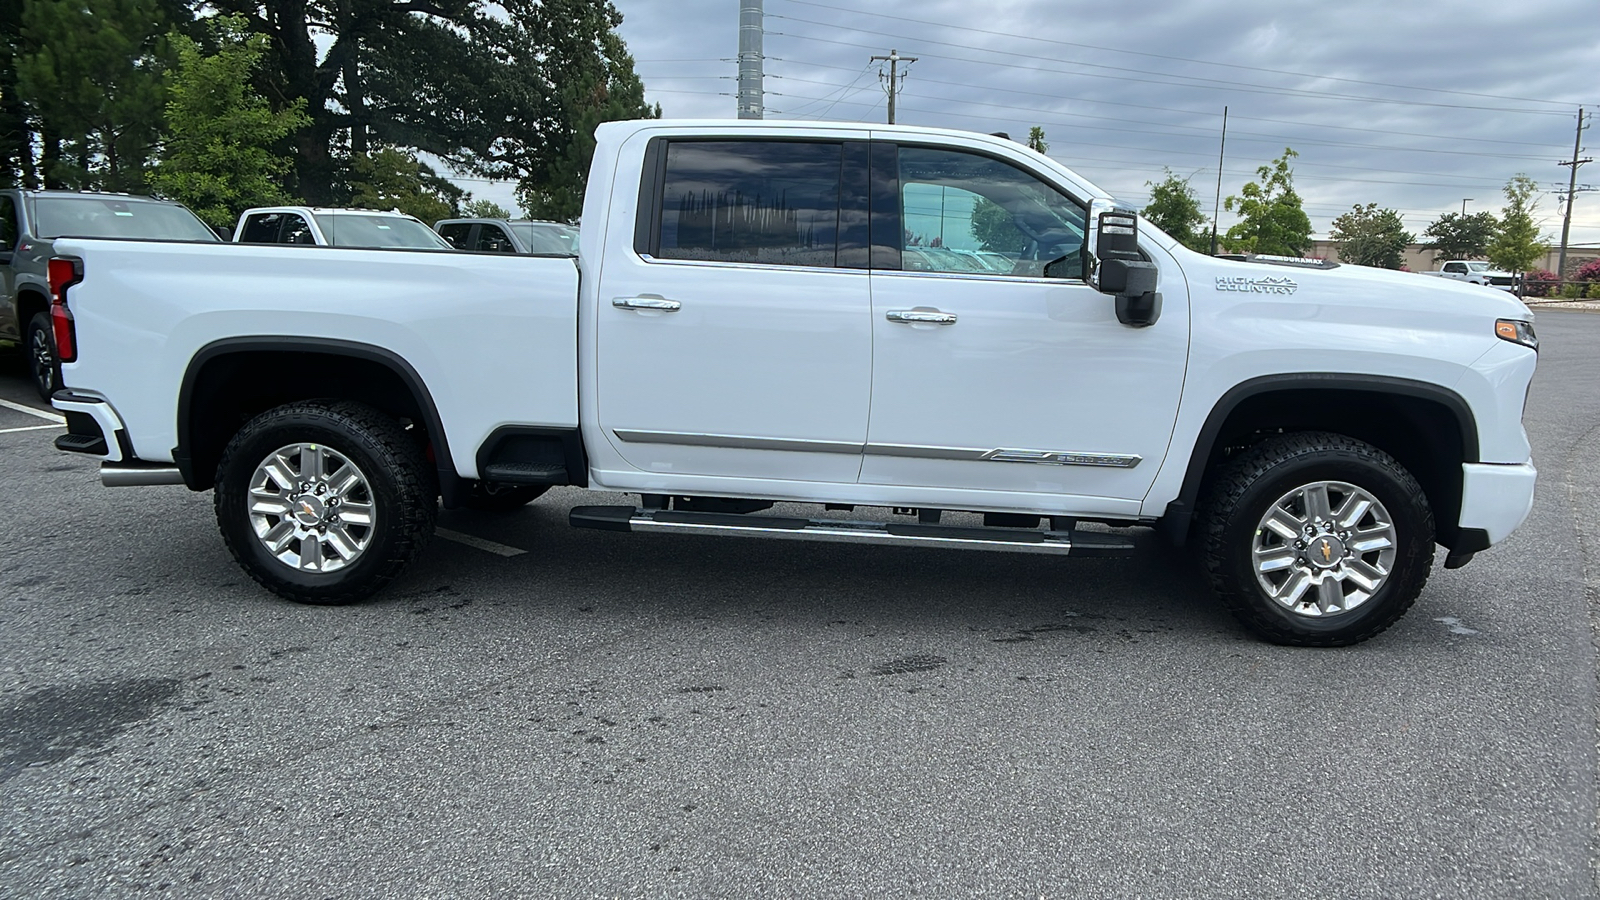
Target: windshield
x: 1478, y: 266
x: 113, y: 217
x: 357, y: 230
x: 547, y: 237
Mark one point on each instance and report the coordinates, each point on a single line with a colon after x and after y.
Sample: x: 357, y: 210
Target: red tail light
x: 65, y: 271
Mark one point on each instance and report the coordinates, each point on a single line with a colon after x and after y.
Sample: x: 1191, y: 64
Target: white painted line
x: 27, y: 428
x: 478, y: 542
x: 33, y: 412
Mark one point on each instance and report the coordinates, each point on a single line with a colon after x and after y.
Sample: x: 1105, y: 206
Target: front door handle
x: 920, y: 316
x: 655, y: 303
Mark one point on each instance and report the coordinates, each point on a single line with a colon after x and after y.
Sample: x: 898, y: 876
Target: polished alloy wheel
x: 1324, y: 548
x: 311, y: 508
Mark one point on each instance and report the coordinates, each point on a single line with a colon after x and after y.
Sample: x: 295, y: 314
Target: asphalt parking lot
x: 540, y: 711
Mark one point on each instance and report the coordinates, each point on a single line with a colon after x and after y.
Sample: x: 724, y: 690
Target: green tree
x: 484, y: 209
x: 93, y: 74
x: 1036, y: 140
x: 593, y: 71
x: 218, y: 157
x: 1271, y: 218
x: 1456, y: 236
x: 390, y: 178
x: 16, y: 154
x: 1174, y: 209
x: 1369, y: 236
x: 510, y: 89
x: 1517, y: 245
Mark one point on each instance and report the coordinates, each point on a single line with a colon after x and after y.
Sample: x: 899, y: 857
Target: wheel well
x: 29, y: 303
x: 223, y: 390
x: 1424, y: 433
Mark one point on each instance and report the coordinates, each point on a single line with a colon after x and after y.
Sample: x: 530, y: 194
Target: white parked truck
x: 1474, y: 271
x: 328, y: 227
x: 740, y: 327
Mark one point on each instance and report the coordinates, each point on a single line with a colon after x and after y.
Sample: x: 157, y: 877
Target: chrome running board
x: 1010, y: 540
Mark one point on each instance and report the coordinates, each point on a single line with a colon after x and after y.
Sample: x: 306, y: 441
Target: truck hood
x: 1355, y: 285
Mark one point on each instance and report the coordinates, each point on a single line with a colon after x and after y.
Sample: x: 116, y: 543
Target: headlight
x: 1517, y: 332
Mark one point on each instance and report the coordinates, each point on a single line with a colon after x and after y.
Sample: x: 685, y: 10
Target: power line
x: 922, y: 79
x: 1202, y: 62
x: 1247, y: 136
x: 1214, y: 84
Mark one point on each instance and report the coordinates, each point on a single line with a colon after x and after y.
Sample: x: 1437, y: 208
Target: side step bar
x: 1013, y: 540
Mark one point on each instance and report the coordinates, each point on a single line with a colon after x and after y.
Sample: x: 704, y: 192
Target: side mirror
x: 1122, y: 271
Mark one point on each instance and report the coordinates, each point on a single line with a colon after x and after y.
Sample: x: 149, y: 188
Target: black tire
x: 398, y: 488
x: 44, y: 367
x: 1234, y: 515
x: 493, y: 496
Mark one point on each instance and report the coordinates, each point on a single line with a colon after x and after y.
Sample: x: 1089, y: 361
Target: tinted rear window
x: 110, y: 217
x: 751, y: 201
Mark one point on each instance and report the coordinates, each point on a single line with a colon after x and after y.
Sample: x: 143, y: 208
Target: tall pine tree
x: 92, y: 73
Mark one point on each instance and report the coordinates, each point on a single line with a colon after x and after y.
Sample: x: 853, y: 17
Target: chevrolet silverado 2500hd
x: 743, y: 325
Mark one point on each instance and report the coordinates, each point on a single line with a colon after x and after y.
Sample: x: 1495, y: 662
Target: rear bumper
x: 90, y: 418
x: 95, y: 429
x: 1495, y: 499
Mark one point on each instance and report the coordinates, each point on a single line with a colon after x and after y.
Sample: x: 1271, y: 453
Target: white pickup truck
x: 741, y: 328
x: 1474, y: 271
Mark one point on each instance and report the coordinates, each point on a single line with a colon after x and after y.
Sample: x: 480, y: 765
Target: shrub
x: 1539, y: 282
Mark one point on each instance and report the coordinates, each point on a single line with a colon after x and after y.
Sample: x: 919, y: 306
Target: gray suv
x: 514, y: 236
x: 29, y: 223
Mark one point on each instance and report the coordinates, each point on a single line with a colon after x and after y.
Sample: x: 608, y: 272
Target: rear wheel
x: 1317, y: 539
x: 324, y: 501
x: 43, y: 366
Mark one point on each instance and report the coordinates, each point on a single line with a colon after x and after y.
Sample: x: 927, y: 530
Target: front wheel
x: 324, y: 501
x: 1317, y: 539
x: 43, y: 367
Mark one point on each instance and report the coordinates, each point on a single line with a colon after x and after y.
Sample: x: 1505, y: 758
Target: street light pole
x: 1464, y: 206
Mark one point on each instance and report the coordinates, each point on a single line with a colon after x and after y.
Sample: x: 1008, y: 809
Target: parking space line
x: 478, y: 542
x: 61, y: 420
x: 27, y: 428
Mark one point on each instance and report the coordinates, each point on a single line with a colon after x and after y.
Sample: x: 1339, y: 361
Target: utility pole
x: 1572, y: 194
x: 893, y: 82
x: 751, y: 14
x: 1216, y: 211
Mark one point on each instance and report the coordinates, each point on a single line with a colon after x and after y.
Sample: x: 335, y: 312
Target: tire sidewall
x: 251, y: 447
x: 1413, y: 530
x: 40, y: 324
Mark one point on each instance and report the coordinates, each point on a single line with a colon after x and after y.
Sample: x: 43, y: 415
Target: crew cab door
x: 996, y: 366
x: 734, y: 334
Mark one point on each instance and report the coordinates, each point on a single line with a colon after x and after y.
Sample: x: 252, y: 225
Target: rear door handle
x: 655, y: 303
x: 920, y: 317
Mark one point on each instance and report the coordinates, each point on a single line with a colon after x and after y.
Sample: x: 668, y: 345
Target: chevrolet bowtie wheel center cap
x: 1325, y: 552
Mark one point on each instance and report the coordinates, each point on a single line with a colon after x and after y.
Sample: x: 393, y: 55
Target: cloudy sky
x: 1409, y: 105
